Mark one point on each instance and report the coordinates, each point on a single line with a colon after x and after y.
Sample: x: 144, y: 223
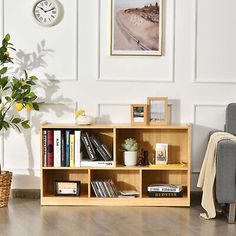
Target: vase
x: 130, y: 158
x: 5, y: 187
x: 84, y: 120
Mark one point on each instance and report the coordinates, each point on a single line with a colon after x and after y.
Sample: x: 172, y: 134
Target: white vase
x: 130, y: 158
x: 84, y: 120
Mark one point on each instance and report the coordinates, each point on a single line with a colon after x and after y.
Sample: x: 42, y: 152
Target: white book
x: 96, y: 163
x: 57, y: 148
x: 77, y: 148
x: 165, y: 188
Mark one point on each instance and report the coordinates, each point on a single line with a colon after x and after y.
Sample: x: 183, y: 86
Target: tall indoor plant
x: 15, y: 94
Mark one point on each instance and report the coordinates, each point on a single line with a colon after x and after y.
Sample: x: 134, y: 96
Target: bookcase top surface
x: 111, y: 126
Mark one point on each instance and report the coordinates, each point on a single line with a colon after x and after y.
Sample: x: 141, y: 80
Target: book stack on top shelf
x: 74, y: 148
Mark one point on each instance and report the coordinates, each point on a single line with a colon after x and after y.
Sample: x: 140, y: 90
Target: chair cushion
x: 230, y: 125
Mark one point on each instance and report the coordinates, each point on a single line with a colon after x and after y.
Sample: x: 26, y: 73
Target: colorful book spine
x: 63, y: 148
x: 77, y: 148
x: 72, y: 150
x: 45, y: 148
x: 67, y: 148
x: 50, y: 148
x: 57, y: 148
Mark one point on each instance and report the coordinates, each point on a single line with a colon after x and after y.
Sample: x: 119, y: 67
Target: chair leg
x: 231, y: 216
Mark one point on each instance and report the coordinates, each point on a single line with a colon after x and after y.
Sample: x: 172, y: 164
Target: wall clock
x: 47, y: 12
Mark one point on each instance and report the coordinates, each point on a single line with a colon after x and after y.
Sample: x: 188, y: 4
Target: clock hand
x: 42, y: 9
x: 50, y: 9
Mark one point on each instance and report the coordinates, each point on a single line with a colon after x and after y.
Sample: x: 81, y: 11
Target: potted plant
x: 15, y: 95
x: 130, y: 147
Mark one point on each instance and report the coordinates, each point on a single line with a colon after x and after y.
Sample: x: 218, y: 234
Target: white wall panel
x: 216, y: 38
x: 142, y: 68
x: 207, y: 118
x: 45, y: 51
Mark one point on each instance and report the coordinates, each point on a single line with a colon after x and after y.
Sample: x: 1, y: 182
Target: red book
x: 50, y: 153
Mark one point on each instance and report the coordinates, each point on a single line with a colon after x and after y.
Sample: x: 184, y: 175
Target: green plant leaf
x: 25, y: 124
x: 8, y: 99
x: 7, y: 37
x: 36, y: 106
x: 33, y: 78
x: 3, y: 82
x: 5, y: 125
x: 16, y: 120
x: 3, y: 70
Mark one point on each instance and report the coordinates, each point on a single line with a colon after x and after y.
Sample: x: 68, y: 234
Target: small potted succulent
x: 130, y: 147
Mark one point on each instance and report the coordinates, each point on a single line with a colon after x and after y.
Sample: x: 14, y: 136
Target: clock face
x: 46, y: 12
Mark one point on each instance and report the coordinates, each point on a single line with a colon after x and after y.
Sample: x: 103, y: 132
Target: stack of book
x: 165, y: 190
x: 104, y: 188
x: 129, y: 194
x: 73, y: 148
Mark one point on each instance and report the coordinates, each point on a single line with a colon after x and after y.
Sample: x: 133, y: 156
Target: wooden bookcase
x: 125, y: 178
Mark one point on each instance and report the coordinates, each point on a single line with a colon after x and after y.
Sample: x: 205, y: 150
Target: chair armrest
x: 226, y: 172
x: 214, y: 131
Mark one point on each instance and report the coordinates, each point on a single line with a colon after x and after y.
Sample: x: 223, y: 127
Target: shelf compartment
x: 164, y: 177
x: 123, y: 179
x: 177, y: 140
x: 52, y: 175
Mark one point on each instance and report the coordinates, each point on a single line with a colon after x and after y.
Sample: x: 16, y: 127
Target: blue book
x: 67, y: 148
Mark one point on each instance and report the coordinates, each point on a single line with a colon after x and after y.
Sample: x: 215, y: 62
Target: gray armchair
x: 226, y: 166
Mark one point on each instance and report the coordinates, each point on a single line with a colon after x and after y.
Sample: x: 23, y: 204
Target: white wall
x: 197, y: 71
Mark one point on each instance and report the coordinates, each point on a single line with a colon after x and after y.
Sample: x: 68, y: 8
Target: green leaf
x: 16, y: 120
x: 3, y: 70
x: 7, y: 37
x: 5, y: 125
x: 25, y: 124
x: 33, y: 78
x: 36, y: 106
x: 3, y: 82
x: 26, y: 74
x: 31, y: 82
x: 15, y: 81
x: 8, y: 99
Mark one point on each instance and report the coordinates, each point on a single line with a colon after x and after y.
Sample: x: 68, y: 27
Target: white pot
x: 130, y: 158
x: 84, y: 120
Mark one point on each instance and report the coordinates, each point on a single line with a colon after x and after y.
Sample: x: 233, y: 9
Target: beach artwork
x: 136, y: 27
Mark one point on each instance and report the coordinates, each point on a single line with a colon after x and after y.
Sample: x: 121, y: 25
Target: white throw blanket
x: 208, y: 172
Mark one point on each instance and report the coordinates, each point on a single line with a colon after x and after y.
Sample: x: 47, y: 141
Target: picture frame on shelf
x: 138, y: 114
x: 161, y: 153
x: 157, y: 110
x: 136, y: 27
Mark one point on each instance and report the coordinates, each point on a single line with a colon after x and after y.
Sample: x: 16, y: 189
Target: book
x: 165, y: 194
x: 45, y: 148
x: 88, y: 145
x: 164, y: 188
x: 72, y: 150
x: 101, y: 148
x: 63, y: 148
x: 90, y: 163
x: 67, y: 148
x: 129, y: 193
x: 50, y: 151
x: 57, y: 148
x: 77, y: 148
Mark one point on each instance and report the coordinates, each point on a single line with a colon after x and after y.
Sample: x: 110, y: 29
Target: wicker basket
x: 5, y: 187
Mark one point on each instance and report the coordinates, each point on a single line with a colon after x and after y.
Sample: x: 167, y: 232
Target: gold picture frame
x: 129, y: 40
x: 138, y: 114
x: 157, y: 110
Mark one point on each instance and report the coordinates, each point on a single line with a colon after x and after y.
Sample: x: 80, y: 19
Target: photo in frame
x: 161, y: 153
x: 138, y: 114
x: 136, y: 27
x: 157, y: 110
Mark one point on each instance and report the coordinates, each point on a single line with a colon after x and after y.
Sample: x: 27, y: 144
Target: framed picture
x: 161, y: 153
x: 138, y: 114
x: 136, y: 27
x: 157, y: 110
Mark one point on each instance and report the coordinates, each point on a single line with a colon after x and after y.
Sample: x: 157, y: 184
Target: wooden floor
x: 26, y: 217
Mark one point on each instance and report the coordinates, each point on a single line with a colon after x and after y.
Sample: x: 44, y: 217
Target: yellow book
x: 72, y: 150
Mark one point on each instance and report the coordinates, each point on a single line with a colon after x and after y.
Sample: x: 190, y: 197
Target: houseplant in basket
x: 130, y: 147
x: 15, y: 95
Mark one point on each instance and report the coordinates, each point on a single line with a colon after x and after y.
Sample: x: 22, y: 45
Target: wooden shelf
x: 125, y: 178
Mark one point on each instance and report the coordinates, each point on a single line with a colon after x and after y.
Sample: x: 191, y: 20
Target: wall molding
x: 101, y: 78
x: 196, y: 79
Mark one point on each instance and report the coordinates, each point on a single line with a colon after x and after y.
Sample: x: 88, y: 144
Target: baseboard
x: 35, y: 194
x: 25, y: 193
